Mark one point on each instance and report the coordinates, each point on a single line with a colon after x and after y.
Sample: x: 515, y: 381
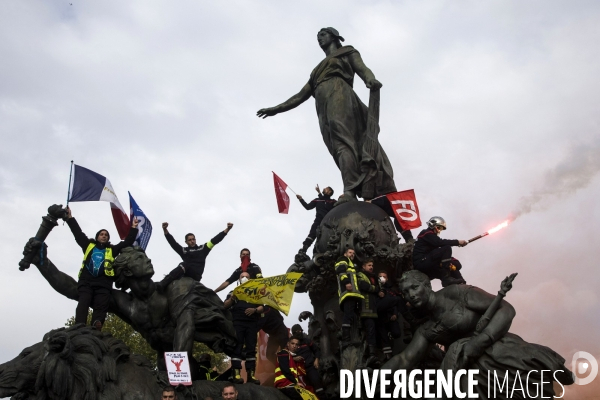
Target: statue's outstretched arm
x: 411, y: 356
x: 293, y: 102
x: 61, y: 282
x: 479, y: 300
x: 363, y: 71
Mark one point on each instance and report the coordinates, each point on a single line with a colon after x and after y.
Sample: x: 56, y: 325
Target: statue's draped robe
x: 508, y: 355
x: 213, y: 323
x: 343, y: 123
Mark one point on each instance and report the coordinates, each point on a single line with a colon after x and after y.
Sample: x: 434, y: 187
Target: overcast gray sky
x: 488, y: 109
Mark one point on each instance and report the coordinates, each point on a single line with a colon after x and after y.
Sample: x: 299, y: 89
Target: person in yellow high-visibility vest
x: 96, y: 274
x: 350, y: 297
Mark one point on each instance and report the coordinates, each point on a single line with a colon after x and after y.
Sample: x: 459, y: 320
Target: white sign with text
x: 178, y: 368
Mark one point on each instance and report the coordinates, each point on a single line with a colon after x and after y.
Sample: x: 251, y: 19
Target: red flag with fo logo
x: 405, y: 208
x: 283, y: 200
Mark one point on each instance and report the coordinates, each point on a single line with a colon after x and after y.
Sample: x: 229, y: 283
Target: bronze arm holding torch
x: 505, y: 286
x: 55, y: 212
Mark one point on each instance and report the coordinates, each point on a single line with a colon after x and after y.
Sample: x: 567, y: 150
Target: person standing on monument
x: 433, y: 255
x: 288, y: 370
x: 96, y: 274
x: 247, y: 265
x: 245, y: 322
x: 349, y: 294
x: 193, y: 256
x: 323, y: 203
x: 366, y: 170
x: 368, y: 311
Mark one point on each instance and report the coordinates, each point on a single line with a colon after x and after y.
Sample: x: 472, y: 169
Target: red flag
x: 283, y: 200
x: 405, y: 208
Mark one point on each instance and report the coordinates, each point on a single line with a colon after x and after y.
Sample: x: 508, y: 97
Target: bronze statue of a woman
x: 348, y: 127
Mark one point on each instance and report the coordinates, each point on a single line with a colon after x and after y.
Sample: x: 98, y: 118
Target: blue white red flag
x: 90, y: 186
x: 144, y: 225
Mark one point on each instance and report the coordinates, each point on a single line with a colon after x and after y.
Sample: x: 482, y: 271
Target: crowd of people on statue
x: 369, y: 301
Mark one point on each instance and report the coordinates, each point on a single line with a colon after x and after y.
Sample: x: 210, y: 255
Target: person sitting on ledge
x: 193, y: 256
x: 323, y: 203
x: 433, y: 256
x: 96, y: 274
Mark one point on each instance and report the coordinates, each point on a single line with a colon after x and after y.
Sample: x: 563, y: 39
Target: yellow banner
x: 306, y: 395
x: 275, y: 291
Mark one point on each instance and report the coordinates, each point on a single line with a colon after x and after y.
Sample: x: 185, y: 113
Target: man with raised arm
x: 193, y: 256
x: 323, y: 203
x: 247, y: 266
x: 96, y: 275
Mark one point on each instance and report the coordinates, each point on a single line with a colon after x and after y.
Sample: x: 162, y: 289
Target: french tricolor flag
x: 88, y: 185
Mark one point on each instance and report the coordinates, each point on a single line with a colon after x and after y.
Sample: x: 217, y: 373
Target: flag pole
x: 69, y: 189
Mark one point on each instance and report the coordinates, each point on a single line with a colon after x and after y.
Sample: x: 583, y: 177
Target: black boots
x: 236, y: 376
x: 177, y: 273
x: 251, y: 378
x: 372, y: 360
x: 346, y: 336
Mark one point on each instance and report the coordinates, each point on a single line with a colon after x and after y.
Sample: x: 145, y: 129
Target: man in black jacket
x: 310, y: 352
x: 96, y: 274
x: 323, y: 203
x: 433, y: 255
x: 272, y: 323
x: 247, y: 265
x: 193, y: 256
x: 245, y: 322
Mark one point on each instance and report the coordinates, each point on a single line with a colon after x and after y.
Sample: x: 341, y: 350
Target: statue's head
x: 416, y: 288
x: 18, y: 375
x: 50, y: 366
x: 132, y: 264
x: 326, y: 36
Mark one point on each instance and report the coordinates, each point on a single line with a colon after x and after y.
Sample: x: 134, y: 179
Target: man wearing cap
x: 366, y: 170
x: 96, y: 274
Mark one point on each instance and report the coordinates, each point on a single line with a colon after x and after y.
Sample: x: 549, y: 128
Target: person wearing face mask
x: 390, y: 306
x: 245, y: 322
x: 96, y: 274
x: 432, y: 255
x: 323, y: 203
x: 193, y: 256
x: 253, y: 270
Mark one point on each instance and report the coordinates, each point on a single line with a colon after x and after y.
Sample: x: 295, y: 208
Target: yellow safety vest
x: 351, y: 275
x: 108, y: 260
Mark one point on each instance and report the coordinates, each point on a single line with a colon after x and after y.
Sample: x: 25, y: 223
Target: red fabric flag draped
x: 283, y: 200
x: 405, y: 208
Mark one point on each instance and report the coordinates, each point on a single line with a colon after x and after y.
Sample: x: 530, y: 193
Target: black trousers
x: 312, y: 235
x: 246, y: 345
x: 313, y: 377
x: 370, y: 332
x: 437, y: 264
x: 97, y: 297
x: 350, y: 308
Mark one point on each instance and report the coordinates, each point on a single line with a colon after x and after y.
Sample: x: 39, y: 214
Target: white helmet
x: 436, y: 221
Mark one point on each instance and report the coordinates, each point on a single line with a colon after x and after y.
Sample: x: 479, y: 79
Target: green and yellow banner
x: 275, y: 291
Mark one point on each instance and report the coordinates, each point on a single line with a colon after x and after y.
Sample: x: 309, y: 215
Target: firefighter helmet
x: 436, y: 221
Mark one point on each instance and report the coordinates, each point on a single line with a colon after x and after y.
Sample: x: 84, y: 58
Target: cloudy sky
x: 488, y: 109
